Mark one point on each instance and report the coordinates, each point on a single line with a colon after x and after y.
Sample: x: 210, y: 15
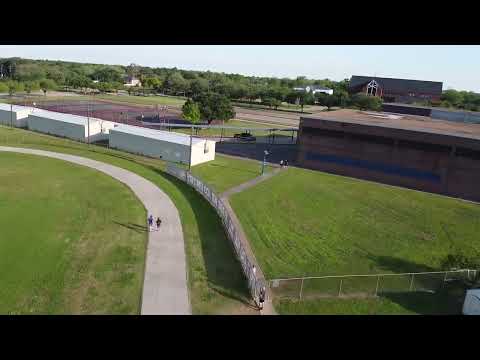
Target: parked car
x: 245, y: 136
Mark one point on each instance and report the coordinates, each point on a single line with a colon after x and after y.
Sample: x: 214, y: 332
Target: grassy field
x: 216, y: 282
x: 417, y: 303
x: 225, y: 172
x: 63, y: 247
x: 307, y: 223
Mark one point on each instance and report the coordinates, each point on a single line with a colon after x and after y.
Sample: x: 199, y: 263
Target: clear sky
x: 456, y: 66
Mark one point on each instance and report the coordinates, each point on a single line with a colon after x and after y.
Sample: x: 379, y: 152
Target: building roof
x: 161, y: 135
x: 68, y: 118
x: 398, y: 85
x: 15, y: 108
x: 403, y: 122
x: 453, y: 110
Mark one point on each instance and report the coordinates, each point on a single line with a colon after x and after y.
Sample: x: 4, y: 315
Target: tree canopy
x: 214, y: 106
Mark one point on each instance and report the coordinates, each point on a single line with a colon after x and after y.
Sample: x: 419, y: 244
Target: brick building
x: 396, y: 90
x: 404, y: 150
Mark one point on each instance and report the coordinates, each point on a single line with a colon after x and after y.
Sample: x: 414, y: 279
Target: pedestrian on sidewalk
x: 281, y: 163
x: 159, y: 222
x: 262, y: 297
x: 150, y: 222
x: 286, y: 163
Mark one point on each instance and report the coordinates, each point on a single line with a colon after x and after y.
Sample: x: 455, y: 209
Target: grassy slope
x: 63, y: 248
x: 225, y: 172
x: 315, y: 223
x: 303, y: 222
x: 215, y: 278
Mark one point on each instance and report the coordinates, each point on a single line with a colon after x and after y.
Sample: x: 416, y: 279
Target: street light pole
x: 265, y: 153
x: 190, y: 157
x: 88, y: 124
x: 11, y: 115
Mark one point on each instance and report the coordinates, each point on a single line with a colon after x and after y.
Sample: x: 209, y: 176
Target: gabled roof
x: 398, y: 85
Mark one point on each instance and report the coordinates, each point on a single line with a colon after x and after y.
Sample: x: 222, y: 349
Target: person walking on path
x: 281, y: 163
x: 262, y: 297
x: 159, y: 222
x: 150, y: 222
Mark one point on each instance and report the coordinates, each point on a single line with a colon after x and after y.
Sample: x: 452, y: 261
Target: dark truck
x: 245, y: 136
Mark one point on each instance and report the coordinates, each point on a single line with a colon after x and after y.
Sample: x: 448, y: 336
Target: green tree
x: 198, y: 86
x: 28, y: 87
x: 452, y: 97
x: 327, y: 100
x: 176, y: 83
x: 12, y: 89
x: 365, y: 102
x: 191, y: 112
x: 47, y: 84
x: 214, y: 106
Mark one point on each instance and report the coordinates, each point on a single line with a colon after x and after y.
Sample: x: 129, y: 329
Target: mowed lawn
x: 226, y: 172
x: 65, y: 245
x: 216, y: 282
x: 304, y: 222
x: 308, y: 223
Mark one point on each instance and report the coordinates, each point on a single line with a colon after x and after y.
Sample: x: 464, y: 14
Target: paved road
x: 165, y: 289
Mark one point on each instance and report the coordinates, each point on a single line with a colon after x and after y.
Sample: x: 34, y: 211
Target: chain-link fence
x: 255, y: 282
x: 366, y: 285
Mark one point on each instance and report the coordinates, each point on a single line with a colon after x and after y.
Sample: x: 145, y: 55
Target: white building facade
x: 69, y: 126
x: 168, y: 146
x: 14, y: 115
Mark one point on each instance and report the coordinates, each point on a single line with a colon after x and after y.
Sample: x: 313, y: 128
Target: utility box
x: 471, y: 306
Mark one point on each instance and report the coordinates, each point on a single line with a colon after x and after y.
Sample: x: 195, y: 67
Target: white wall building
x: 17, y: 117
x: 314, y: 89
x: 70, y: 126
x: 169, y: 146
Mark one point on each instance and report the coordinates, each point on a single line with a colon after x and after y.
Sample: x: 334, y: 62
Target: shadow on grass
x: 448, y: 301
x: 134, y: 227
x: 224, y: 271
x: 398, y: 265
x: 433, y: 296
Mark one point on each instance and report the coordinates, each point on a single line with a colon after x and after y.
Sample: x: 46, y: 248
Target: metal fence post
x: 378, y: 283
x: 301, y: 289
x: 340, y: 288
x: 444, y: 279
x: 411, y: 283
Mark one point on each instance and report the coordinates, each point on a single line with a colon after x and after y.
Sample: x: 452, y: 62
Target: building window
x: 372, y: 88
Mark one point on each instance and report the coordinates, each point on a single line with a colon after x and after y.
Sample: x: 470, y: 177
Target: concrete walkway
x: 250, y: 183
x: 165, y: 289
x: 268, y: 306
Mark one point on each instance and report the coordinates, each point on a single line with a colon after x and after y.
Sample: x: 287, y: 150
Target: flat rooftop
x: 68, y: 118
x: 432, y: 108
x: 400, y: 121
x: 161, y: 135
x: 15, y: 108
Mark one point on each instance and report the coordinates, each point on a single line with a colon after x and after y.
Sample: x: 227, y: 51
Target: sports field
x: 216, y: 283
x: 65, y: 244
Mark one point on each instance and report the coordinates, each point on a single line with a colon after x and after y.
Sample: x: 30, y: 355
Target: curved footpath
x: 165, y: 289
